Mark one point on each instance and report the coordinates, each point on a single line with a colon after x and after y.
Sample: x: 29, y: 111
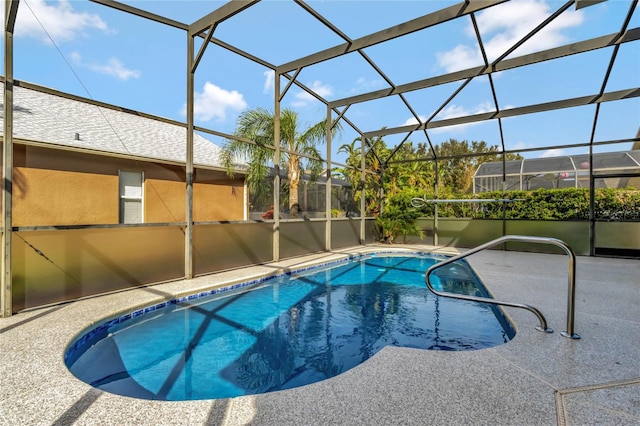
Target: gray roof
x: 610, y: 161
x: 50, y: 119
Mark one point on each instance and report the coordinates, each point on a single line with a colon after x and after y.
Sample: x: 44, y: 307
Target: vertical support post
x: 571, y: 296
x: 592, y: 205
x: 276, y: 169
x: 381, y: 196
x: 327, y: 239
x: 435, y: 208
x: 381, y: 189
x: 6, y: 292
x: 504, y: 190
x: 188, y: 234
x: 363, y: 201
x: 245, y: 207
x: 521, y: 178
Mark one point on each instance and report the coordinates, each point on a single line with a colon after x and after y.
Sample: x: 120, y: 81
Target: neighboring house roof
x: 46, y: 118
x: 602, y: 161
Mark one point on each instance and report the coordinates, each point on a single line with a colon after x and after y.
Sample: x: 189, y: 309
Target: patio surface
x: 535, y: 379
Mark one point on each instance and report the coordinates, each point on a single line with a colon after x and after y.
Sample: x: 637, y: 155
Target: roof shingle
x: 46, y: 118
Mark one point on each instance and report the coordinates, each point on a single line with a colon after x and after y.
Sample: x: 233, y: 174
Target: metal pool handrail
x: 528, y: 239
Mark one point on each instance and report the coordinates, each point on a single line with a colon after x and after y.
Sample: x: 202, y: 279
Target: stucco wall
x: 164, y: 201
x: 218, y: 202
x: 46, y: 197
x: 56, y: 188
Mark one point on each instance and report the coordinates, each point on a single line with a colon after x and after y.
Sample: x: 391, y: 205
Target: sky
x: 100, y: 53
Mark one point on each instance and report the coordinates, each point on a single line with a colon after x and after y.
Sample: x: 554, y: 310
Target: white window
x: 130, y: 197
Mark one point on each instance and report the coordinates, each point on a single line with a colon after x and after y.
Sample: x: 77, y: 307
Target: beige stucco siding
x: 164, y: 201
x: 44, y: 197
x: 212, y: 202
x: 56, y: 188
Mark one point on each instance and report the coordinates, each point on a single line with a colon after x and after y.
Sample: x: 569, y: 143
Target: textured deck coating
x: 535, y: 379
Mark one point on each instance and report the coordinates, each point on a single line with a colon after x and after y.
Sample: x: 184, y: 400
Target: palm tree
x: 373, y: 181
x: 258, y: 126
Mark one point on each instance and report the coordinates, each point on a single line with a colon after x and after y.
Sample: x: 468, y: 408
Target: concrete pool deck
x: 535, y: 379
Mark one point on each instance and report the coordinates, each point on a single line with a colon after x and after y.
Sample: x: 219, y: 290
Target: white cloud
x: 460, y: 57
x: 520, y: 145
x: 76, y: 58
x: 504, y: 25
x: 556, y: 152
x: 368, y: 85
x: 59, y: 20
x: 303, y: 98
x: 114, y: 67
x: 412, y: 120
x: 214, y: 102
x: 453, y: 111
x: 321, y: 89
x: 269, y: 80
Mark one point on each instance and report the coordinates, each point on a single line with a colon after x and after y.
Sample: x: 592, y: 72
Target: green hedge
x: 545, y: 204
x: 617, y: 204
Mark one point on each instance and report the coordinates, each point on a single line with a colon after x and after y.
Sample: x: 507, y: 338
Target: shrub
x: 545, y: 204
x: 399, y: 217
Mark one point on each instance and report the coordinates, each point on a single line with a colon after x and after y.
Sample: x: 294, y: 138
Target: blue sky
x: 97, y: 52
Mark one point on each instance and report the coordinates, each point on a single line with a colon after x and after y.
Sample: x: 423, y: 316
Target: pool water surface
x: 288, y: 331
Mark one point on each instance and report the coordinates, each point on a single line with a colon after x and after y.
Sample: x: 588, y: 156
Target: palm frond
x: 258, y: 126
x: 317, y: 134
x: 288, y: 129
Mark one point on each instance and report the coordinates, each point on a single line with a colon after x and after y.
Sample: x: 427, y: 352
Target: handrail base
x: 570, y: 336
x: 545, y: 330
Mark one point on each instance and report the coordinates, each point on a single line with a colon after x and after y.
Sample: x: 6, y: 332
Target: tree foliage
x: 258, y: 125
x: 410, y: 171
x: 372, y: 178
x: 460, y: 161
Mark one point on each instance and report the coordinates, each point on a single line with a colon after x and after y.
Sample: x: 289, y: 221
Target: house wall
x: 57, y: 188
x: 164, y: 200
x: 216, y: 197
x: 43, y: 197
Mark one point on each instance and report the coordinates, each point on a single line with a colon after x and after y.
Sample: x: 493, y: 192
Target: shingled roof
x: 72, y: 122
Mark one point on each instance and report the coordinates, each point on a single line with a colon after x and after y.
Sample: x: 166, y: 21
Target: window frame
x: 122, y: 198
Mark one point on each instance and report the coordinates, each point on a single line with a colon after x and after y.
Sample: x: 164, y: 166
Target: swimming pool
x: 286, y: 332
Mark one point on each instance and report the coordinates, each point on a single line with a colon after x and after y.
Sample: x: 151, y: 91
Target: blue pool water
x: 287, y: 332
